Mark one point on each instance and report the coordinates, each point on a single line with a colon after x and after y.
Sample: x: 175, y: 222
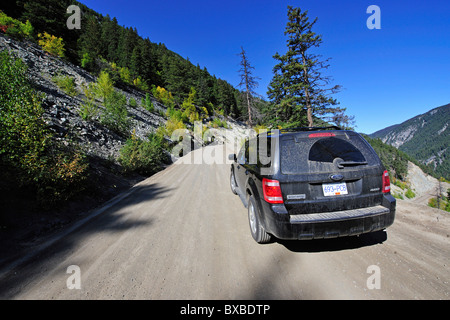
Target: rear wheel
x: 256, y: 229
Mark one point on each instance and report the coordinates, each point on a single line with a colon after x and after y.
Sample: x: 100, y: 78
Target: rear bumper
x: 333, y: 224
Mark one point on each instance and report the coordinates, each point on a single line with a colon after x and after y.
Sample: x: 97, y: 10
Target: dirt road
x: 182, y: 234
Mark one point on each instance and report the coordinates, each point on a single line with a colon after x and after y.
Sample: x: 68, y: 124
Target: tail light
x: 272, y: 191
x: 386, y: 182
x: 321, y: 135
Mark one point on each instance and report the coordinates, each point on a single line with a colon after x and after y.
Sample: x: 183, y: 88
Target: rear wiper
x: 350, y: 163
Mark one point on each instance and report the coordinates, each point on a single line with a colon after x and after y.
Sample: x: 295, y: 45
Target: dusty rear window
x: 301, y: 154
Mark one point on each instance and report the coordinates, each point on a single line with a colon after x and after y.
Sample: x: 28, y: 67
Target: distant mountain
x: 425, y: 137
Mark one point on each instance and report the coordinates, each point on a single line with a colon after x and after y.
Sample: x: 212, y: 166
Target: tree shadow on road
x: 335, y: 244
x: 115, y: 216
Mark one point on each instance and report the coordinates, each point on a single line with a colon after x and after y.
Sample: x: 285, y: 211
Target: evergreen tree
x: 88, y: 43
x: 127, y: 41
x: 45, y: 15
x: 298, y: 89
x: 226, y: 99
x: 148, y: 62
x: 135, y: 62
x: 110, y: 31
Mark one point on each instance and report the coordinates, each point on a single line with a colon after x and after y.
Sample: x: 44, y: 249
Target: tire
x: 256, y: 229
x: 233, y: 183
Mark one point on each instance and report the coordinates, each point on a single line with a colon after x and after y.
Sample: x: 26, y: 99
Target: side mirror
x: 232, y: 157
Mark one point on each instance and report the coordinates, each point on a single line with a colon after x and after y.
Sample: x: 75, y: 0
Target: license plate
x: 334, y: 189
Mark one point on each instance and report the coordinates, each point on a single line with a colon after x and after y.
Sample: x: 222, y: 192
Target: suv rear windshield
x: 344, y: 150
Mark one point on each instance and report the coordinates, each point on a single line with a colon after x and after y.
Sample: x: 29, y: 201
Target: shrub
x: 132, y: 102
x: 125, y: 75
x: 87, y: 62
x: 410, y: 194
x: 54, y: 170
x: 140, y: 84
x: 89, y: 110
x: 432, y: 202
x: 64, y: 175
x: 66, y: 83
x: 104, y: 86
x: 142, y: 156
x: 173, y: 124
x: 216, y: 123
x: 115, y: 116
x: 402, y: 185
x: 175, y: 114
x: 51, y: 44
x: 147, y: 103
x: 15, y: 28
x: 190, y: 113
x: 23, y: 135
x: 163, y: 96
x: 398, y: 195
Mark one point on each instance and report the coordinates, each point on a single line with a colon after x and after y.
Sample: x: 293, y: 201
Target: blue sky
x: 388, y: 75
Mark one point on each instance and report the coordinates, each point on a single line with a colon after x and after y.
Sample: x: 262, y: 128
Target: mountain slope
x: 425, y: 137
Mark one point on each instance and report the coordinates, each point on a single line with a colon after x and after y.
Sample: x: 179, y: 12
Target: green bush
x: 410, y: 194
x: 132, y: 102
x: 143, y: 156
x: 67, y: 84
x: 87, y: 62
x: 147, y: 103
x: 15, y: 28
x: 216, y: 123
x: 397, y: 195
x: 104, y: 85
x: 89, y: 109
x: 51, y: 44
x: 174, y: 114
x: 55, y: 171
x: 173, y: 124
x: 115, y: 116
x: 23, y: 135
x: 140, y: 84
x: 402, y: 185
x: 443, y: 204
x: 163, y: 96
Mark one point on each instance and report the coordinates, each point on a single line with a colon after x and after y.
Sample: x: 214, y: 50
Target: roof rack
x: 310, y: 129
x: 299, y: 129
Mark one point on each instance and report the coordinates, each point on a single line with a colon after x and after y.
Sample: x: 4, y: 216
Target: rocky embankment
x: 62, y: 112
x: 22, y: 222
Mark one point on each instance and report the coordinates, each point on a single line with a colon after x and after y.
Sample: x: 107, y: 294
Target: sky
x: 388, y: 75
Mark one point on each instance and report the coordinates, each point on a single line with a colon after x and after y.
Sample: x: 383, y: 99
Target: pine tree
x: 249, y: 82
x: 299, y: 90
x: 88, y: 43
x: 110, y: 31
x: 45, y: 15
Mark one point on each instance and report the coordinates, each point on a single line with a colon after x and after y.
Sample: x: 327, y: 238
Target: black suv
x: 311, y: 183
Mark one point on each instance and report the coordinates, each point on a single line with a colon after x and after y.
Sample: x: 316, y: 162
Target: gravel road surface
x: 182, y: 234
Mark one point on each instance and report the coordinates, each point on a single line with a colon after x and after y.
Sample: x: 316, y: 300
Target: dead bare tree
x: 249, y: 82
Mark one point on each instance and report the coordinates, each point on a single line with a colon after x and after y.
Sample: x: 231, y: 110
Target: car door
x: 240, y: 172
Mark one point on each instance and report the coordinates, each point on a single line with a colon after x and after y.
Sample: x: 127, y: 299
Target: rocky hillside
x: 423, y: 186
x: 62, y: 111
x: 425, y: 137
x: 22, y: 217
x: 21, y: 206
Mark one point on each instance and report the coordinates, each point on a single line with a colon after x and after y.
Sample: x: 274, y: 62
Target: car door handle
x: 246, y: 172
